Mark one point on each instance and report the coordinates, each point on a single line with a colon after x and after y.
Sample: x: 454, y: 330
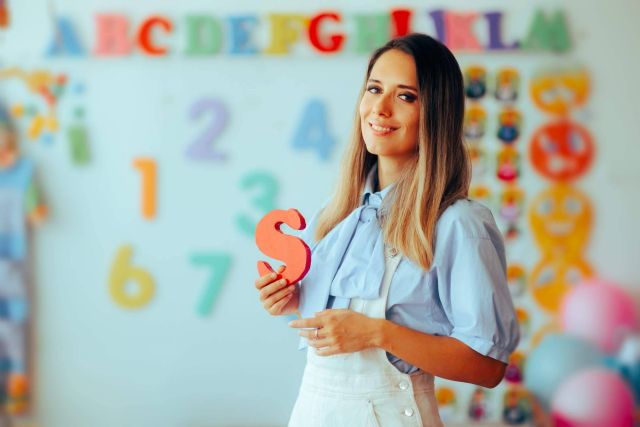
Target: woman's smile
x: 380, y: 129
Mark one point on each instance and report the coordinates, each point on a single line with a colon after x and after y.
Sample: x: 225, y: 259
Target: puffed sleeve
x: 472, y: 282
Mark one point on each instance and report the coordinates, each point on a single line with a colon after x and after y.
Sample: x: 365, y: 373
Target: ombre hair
x: 439, y: 173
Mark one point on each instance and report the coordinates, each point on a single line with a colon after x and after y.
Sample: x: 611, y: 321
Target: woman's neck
x: 389, y: 171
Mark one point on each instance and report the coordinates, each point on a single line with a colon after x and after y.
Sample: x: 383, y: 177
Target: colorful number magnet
x: 294, y: 252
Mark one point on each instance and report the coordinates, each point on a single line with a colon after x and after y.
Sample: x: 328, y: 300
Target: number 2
x: 202, y: 148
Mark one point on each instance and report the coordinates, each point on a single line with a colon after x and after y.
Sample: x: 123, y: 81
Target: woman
x: 408, y: 275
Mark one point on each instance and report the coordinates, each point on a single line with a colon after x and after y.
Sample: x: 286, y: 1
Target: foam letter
x: 495, y: 32
x: 65, y: 40
x: 144, y: 35
x: 240, y: 27
x: 285, y: 30
x: 372, y: 31
x: 336, y: 40
x: 204, y: 35
x: 291, y: 250
x: 401, y: 22
x: 459, y: 32
x: 548, y: 34
x: 112, y: 32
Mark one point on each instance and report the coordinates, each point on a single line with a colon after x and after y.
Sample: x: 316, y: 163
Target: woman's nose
x: 382, y: 106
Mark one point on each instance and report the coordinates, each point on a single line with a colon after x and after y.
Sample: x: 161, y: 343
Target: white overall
x: 364, y: 389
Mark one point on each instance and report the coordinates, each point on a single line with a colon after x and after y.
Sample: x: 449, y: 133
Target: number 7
x: 219, y: 265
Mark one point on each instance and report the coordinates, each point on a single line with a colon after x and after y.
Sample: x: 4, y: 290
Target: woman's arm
x: 345, y: 331
x: 443, y: 357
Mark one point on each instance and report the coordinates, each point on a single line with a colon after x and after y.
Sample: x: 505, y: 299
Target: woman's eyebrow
x: 400, y: 86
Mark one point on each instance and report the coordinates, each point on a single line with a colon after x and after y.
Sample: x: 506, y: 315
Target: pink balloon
x: 594, y: 397
x: 599, y: 312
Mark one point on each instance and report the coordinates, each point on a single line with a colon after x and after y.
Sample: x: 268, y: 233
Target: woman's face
x: 389, y: 108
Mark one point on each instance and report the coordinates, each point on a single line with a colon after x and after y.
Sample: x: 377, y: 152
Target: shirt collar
x: 369, y: 185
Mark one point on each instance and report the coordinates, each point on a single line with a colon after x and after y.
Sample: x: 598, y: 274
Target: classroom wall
x: 164, y: 365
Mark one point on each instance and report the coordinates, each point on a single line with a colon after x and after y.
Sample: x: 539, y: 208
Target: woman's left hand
x: 339, y: 331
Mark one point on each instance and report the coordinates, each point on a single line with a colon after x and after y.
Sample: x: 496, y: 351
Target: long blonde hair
x: 439, y: 175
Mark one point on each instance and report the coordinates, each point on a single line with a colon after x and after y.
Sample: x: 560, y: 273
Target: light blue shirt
x: 463, y: 295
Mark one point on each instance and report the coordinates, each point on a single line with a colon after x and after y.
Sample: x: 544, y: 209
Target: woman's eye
x: 373, y: 89
x: 408, y: 97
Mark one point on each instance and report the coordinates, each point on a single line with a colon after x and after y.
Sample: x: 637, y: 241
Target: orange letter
x: 144, y: 35
x: 291, y: 250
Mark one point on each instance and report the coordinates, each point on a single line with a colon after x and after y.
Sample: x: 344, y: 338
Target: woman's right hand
x: 276, y: 295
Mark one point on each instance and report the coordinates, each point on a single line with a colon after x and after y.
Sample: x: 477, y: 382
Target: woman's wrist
x: 380, y: 337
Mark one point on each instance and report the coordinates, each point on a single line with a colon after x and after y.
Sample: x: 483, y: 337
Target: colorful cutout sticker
x: 475, y: 119
x: 478, y: 157
x: 560, y: 219
x: 123, y: 274
x: 447, y: 403
x: 508, y: 164
x: 516, y: 279
x: 524, y: 320
x: 478, y: 406
x: 511, y: 203
x: 292, y: 251
x: 481, y: 193
x: 507, y: 85
x: 219, y: 264
x: 553, y: 277
x: 513, y: 373
x: 509, y: 122
x: 517, y: 406
x: 559, y: 92
x: 561, y: 150
x: 475, y: 82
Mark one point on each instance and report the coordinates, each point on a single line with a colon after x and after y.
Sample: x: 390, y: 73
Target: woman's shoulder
x: 467, y: 218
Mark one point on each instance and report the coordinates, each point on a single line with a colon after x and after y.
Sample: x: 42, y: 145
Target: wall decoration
x: 148, y: 177
x: 123, y: 273
x: 202, y: 147
x: 263, y: 202
x: 561, y: 150
x: 313, y: 130
x: 507, y: 85
x: 219, y: 265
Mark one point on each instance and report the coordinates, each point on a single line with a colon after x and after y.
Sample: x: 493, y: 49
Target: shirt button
x: 403, y: 385
x: 408, y: 412
x: 391, y: 252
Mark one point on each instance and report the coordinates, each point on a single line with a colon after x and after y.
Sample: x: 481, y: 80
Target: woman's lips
x: 381, y: 130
